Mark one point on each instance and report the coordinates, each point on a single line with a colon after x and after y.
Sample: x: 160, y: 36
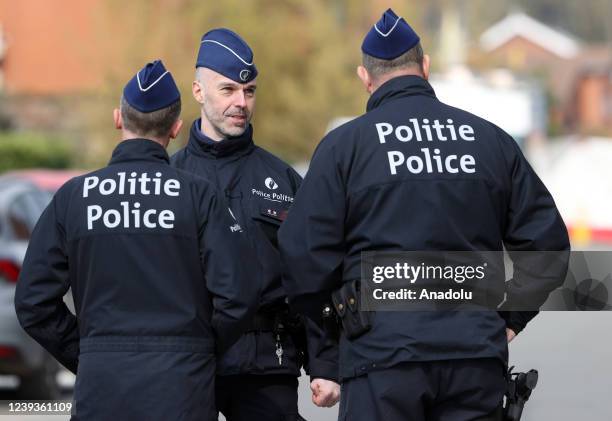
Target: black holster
x: 346, y: 303
x: 519, y: 388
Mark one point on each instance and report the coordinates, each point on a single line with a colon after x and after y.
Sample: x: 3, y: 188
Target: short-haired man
x: 149, y: 253
x: 414, y: 174
x: 257, y: 378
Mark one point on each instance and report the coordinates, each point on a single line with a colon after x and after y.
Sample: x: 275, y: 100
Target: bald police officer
x: 150, y: 254
x: 258, y: 376
x: 413, y: 173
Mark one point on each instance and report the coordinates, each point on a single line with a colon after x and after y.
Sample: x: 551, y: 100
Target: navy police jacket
x: 414, y: 174
x: 150, y: 254
x: 259, y: 189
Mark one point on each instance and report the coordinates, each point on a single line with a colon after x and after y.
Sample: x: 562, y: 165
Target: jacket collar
x: 139, y: 150
x: 201, y: 144
x: 399, y: 87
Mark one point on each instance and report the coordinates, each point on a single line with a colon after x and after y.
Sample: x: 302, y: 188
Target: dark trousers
x: 452, y: 390
x: 258, y: 397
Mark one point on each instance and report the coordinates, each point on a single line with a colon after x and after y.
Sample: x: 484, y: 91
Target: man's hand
x: 325, y: 393
x: 510, y: 334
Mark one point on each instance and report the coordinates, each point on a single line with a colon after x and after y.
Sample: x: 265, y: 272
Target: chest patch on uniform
x: 272, y: 196
x: 277, y: 214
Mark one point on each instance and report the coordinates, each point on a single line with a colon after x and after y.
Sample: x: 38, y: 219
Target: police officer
x: 257, y: 378
x: 413, y: 173
x: 150, y: 253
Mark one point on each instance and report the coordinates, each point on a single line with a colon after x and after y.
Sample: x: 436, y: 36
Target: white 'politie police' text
x: 428, y: 161
x: 130, y: 215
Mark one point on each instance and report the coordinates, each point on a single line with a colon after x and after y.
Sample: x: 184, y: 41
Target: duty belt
x: 276, y: 323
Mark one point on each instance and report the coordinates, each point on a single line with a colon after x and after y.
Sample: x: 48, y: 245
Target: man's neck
x: 209, y: 131
x: 381, y: 80
x: 127, y: 135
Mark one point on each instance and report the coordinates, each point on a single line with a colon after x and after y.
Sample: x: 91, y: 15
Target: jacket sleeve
x: 517, y: 320
x: 228, y: 263
x: 321, y: 353
x: 321, y: 350
x: 42, y: 284
x: 536, y: 239
x: 311, y: 240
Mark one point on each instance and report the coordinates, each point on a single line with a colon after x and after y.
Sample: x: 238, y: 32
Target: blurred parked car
x: 23, y: 197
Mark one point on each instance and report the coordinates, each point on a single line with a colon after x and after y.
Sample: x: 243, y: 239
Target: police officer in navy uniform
x: 151, y: 254
x: 413, y: 173
x: 257, y: 378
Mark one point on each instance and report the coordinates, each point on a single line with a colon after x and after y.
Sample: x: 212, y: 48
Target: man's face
x: 227, y: 106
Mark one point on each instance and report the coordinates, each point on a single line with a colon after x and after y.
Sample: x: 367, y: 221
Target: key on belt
x: 279, y: 350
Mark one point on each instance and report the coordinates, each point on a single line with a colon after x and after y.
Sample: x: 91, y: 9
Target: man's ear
x: 365, y: 77
x: 426, y: 63
x: 117, y: 119
x: 196, y: 90
x: 176, y: 128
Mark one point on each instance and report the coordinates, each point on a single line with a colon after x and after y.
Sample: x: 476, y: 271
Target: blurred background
x: 540, y: 69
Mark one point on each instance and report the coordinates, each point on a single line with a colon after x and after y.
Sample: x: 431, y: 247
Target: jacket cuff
x: 517, y: 320
x: 323, y: 370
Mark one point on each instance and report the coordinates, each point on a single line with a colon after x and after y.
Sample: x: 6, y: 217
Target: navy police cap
x: 151, y: 89
x: 389, y: 38
x: 226, y: 53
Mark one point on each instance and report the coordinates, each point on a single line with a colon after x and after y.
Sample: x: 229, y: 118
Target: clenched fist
x: 325, y: 393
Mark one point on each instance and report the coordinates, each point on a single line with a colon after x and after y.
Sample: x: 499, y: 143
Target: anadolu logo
x: 271, y: 184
